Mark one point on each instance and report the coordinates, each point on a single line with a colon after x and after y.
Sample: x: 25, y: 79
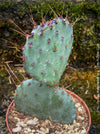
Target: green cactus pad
x: 47, y: 50
x: 37, y: 99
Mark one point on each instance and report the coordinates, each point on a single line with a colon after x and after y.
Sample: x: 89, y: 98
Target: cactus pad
x: 47, y: 50
x: 37, y: 99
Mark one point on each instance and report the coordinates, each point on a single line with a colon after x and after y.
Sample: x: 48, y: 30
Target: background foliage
x: 86, y: 29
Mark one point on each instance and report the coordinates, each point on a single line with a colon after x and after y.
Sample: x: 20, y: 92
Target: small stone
x: 80, y: 117
x: 35, y: 119
x: 25, y: 120
x: 77, y: 104
x: 79, y: 109
x: 33, y: 131
x: 40, y: 132
x: 25, y: 132
x: 17, y: 119
x: 65, y: 126
x: 74, y: 121
x: 28, y: 130
x: 77, y: 124
x: 47, y: 122
x: 31, y: 122
x: 22, y: 124
x: 83, y: 131
x: 42, y: 129
x: 17, y: 129
x: 43, y: 124
x: 46, y: 130
x: 76, y: 129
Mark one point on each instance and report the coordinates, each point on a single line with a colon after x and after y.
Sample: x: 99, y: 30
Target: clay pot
x: 71, y: 94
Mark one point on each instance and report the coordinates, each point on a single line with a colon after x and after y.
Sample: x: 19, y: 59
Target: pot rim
x: 70, y: 93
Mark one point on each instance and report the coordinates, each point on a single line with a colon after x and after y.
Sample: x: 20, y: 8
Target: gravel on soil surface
x: 24, y: 124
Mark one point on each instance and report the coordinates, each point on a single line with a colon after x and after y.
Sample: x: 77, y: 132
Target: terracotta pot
x: 71, y: 94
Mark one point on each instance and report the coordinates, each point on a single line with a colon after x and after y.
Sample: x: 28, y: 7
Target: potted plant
x: 39, y: 103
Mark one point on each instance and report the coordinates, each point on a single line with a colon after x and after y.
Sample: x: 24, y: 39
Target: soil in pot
x: 24, y: 124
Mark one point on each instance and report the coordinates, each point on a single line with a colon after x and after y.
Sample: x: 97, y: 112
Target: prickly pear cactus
x: 45, y: 56
x: 47, y: 50
x: 37, y: 99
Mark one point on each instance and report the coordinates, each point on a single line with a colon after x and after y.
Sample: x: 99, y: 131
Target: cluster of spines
x: 50, y: 26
